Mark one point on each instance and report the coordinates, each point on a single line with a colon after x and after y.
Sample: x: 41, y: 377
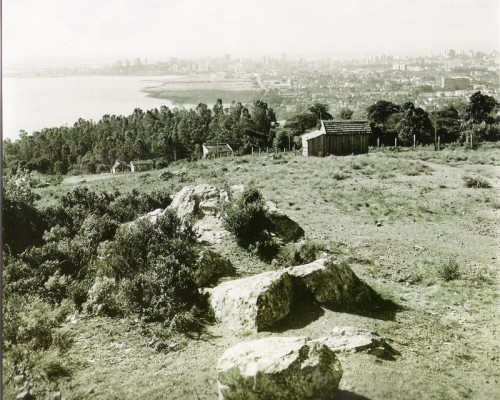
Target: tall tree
x: 416, y: 122
x: 480, y: 108
x: 320, y: 110
x: 346, y: 113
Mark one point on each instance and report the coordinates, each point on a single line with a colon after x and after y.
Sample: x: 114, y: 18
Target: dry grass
x: 401, y: 217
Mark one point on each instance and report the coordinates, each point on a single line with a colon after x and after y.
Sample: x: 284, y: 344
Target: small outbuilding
x: 120, y: 166
x: 337, y: 138
x: 142, y: 165
x: 217, y: 150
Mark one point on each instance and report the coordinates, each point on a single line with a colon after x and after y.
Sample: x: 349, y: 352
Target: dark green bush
x: 129, y: 206
x: 22, y: 224
x: 210, y: 267
x: 154, y: 266
x: 247, y: 218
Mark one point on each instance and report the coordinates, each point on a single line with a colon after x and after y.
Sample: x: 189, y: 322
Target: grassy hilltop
x: 421, y: 227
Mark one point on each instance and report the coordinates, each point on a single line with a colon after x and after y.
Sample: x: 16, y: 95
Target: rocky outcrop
x: 201, y: 205
x: 197, y: 201
x: 252, y: 304
x: 334, y: 285
x: 348, y: 338
x: 278, y: 368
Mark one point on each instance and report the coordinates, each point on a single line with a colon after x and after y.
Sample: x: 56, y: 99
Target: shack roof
x: 343, y: 127
x: 142, y: 162
x: 218, y: 147
x: 346, y: 127
x: 118, y: 163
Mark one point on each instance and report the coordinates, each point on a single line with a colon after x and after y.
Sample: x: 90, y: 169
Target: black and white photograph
x: 250, y: 200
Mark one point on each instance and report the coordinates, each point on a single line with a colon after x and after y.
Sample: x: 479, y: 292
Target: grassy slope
x: 448, y: 332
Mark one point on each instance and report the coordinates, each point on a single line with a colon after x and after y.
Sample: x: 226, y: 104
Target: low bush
x: 247, y: 218
x: 210, y: 267
x: 450, y: 271
x: 476, y: 182
x: 154, y: 267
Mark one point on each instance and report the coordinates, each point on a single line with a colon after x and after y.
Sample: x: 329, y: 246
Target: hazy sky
x: 56, y: 30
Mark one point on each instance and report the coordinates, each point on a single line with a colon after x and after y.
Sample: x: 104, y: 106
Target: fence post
x: 378, y: 142
x: 395, y: 142
x: 414, y: 142
x: 439, y: 143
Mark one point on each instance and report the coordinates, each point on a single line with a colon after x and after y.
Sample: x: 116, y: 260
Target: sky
x: 50, y: 32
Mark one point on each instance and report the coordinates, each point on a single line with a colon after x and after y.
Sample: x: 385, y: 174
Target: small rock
x: 379, y: 224
x: 56, y: 396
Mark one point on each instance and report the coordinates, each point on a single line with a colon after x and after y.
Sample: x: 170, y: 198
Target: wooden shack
x: 337, y: 138
x: 120, y: 166
x: 141, y: 165
x: 217, y: 150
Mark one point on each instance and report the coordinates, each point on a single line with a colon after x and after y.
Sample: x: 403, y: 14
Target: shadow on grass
x: 377, y: 308
x: 347, y: 395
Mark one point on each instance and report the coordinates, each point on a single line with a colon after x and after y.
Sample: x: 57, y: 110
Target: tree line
x: 168, y: 134
x: 162, y: 134
x: 406, y: 121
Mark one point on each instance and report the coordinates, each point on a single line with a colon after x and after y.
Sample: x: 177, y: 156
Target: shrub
x: 129, y: 206
x: 30, y: 321
x: 476, y: 182
x: 22, y: 224
x: 450, y: 271
x: 102, y: 298
x: 210, y: 267
x: 247, y: 218
x: 154, y: 266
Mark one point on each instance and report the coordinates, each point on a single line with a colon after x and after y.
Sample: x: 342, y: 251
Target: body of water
x: 32, y: 104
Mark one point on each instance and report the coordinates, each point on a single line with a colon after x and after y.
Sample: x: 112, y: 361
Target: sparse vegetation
x: 476, y: 182
x: 87, y: 267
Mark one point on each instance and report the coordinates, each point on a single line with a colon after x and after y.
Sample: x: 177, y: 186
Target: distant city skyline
x: 55, y: 32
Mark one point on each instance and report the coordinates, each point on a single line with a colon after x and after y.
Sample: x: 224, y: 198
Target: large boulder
x: 278, y: 368
x: 201, y: 205
x: 253, y: 304
x: 335, y: 285
x: 348, y: 338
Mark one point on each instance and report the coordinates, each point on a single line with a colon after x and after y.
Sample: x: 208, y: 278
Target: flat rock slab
x: 278, y: 368
x: 253, y: 304
x: 348, y: 338
x: 334, y: 285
